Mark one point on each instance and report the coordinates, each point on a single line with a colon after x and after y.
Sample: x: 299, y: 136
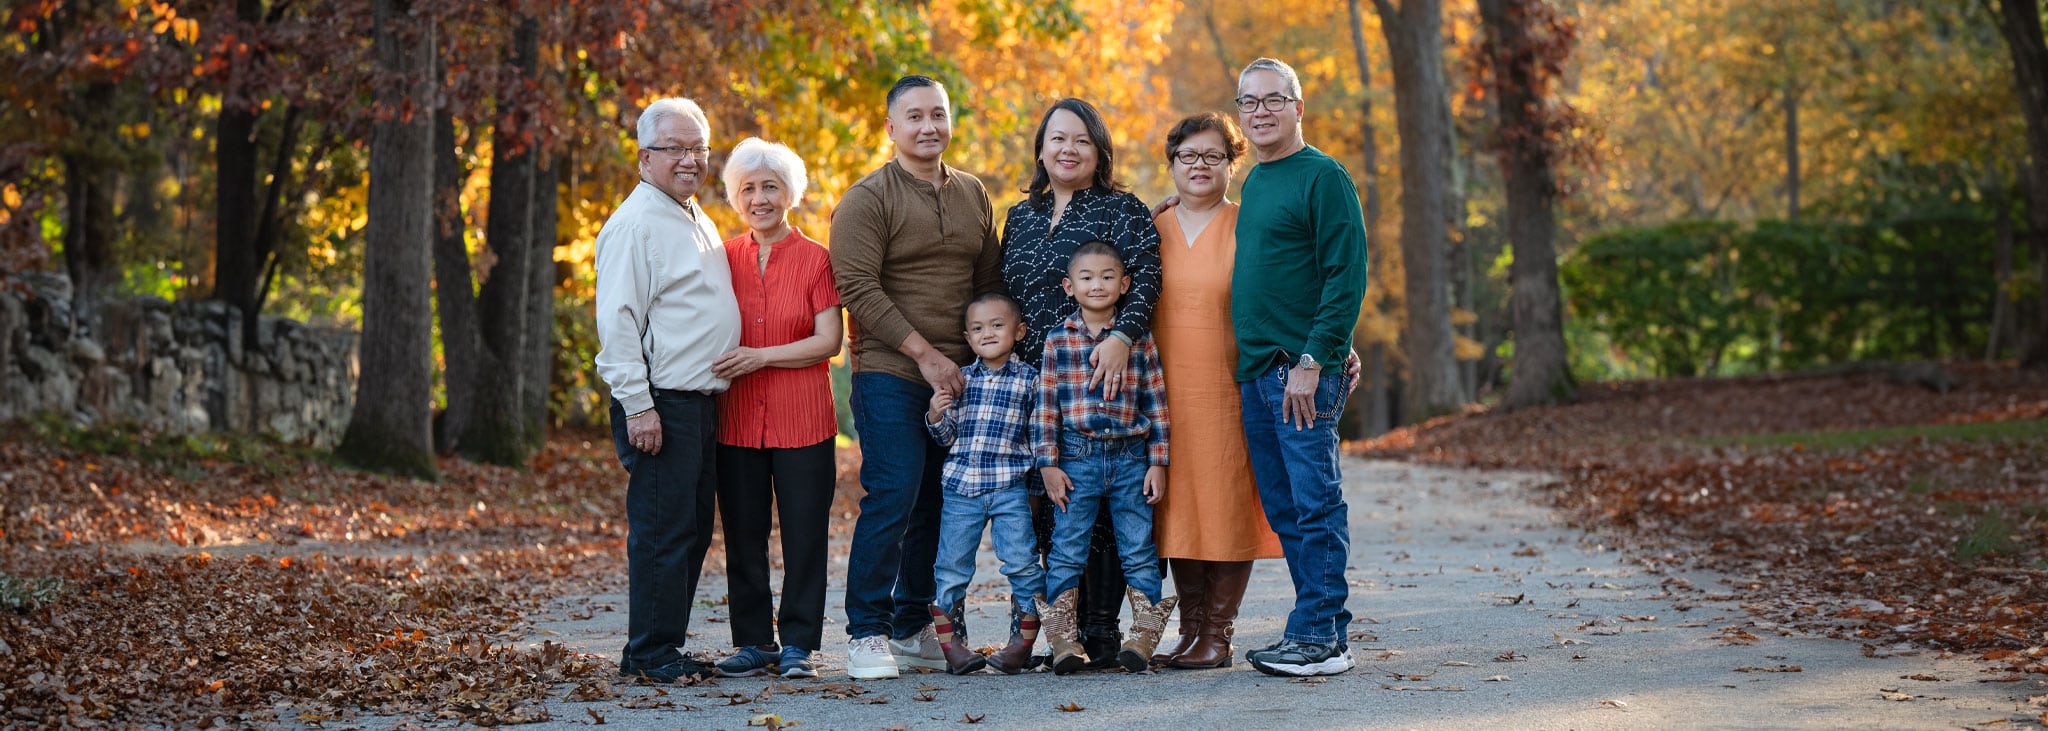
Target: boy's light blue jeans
x: 1107, y: 475
x: 1007, y: 514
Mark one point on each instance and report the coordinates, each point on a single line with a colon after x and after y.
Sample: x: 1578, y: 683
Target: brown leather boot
x: 1062, y: 632
x: 1148, y: 622
x: 1191, y: 580
x: 952, y: 633
x: 1227, y: 580
x: 1016, y: 656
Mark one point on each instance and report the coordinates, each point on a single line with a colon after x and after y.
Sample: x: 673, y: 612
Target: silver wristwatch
x: 1308, y: 362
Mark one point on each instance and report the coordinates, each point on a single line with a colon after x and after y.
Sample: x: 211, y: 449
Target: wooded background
x: 1556, y: 191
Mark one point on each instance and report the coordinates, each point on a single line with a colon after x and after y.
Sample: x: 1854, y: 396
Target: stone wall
x: 178, y: 368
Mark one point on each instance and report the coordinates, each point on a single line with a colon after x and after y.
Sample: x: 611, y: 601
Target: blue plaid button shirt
x: 988, y: 429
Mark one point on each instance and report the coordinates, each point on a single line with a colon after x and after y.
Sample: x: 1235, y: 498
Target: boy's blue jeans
x: 1007, y: 513
x: 1107, y: 475
x: 1303, y: 495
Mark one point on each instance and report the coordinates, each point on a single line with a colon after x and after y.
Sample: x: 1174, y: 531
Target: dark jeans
x: 1303, y: 495
x: 670, y: 499
x: 796, y: 485
x: 889, y: 583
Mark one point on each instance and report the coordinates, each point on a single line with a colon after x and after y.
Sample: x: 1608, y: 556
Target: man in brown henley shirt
x: 911, y: 243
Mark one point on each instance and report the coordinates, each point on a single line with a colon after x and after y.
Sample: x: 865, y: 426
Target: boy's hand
x: 1056, y: 485
x: 941, y: 401
x: 1155, y: 484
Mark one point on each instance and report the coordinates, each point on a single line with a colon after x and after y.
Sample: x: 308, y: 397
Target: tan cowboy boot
x: 1016, y: 656
x: 952, y: 633
x: 1191, y: 581
x: 1148, y: 622
x: 1062, y: 633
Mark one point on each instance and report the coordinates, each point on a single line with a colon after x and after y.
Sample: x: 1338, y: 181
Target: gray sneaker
x: 748, y: 662
x: 796, y: 663
x: 921, y: 650
x: 1298, y: 659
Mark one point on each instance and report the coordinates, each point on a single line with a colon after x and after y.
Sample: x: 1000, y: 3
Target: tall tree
x: 1525, y: 49
x: 1375, y: 414
x: 2020, y: 22
x: 389, y: 429
x: 1422, y: 113
x: 497, y: 424
x: 454, y: 287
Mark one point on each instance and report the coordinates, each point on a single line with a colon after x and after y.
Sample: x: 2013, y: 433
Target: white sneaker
x: 868, y: 658
x: 922, y: 650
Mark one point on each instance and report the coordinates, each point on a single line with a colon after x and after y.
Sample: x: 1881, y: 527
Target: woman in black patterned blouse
x: 1073, y: 199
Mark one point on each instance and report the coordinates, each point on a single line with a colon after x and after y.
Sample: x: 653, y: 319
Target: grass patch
x: 2027, y: 430
x: 27, y: 595
x: 1991, y: 534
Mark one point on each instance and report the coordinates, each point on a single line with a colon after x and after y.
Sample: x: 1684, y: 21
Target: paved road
x: 1476, y: 610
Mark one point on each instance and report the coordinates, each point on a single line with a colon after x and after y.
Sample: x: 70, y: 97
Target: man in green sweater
x: 1299, y: 283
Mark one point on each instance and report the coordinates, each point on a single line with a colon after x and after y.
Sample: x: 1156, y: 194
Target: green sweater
x: 1300, y: 277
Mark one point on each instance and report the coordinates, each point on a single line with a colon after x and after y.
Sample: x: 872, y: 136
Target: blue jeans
x: 1007, y: 513
x: 1107, y: 476
x: 1303, y: 495
x: 889, y: 584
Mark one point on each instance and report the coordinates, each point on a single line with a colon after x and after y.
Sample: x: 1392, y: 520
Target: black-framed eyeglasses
x: 1190, y: 157
x: 1272, y: 103
x: 700, y: 151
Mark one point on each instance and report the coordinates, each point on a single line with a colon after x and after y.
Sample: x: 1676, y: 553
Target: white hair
x: 662, y: 109
x: 754, y: 154
x: 1277, y: 66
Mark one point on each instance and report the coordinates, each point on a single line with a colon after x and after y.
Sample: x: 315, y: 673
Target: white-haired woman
x: 776, y: 423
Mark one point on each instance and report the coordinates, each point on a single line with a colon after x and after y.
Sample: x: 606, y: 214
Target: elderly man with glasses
x: 665, y: 312
x: 1299, y: 283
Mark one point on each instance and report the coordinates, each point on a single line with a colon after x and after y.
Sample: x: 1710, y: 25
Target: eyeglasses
x: 1190, y: 157
x: 1273, y: 103
x: 700, y: 151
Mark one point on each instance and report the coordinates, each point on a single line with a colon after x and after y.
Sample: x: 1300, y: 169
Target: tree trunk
x: 1422, y: 114
x: 496, y: 432
x: 538, y: 358
x: 389, y: 429
x: 2020, y: 22
x: 1791, y: 152
x: 88, y: 230
x: 236, y: 265
x: 1368, y: 419
x: 1999, y: 335
x: 1541, y: 375
x: 454, y: 289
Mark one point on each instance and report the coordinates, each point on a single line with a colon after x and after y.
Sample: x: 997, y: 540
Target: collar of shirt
x: 1079, y: 325
x: 945, y: 173
x: 978, y: 368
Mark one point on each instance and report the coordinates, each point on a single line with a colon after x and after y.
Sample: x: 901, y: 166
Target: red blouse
x: 779, y: 407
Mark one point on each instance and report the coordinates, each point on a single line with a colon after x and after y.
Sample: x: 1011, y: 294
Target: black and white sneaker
x: 1300, y: 659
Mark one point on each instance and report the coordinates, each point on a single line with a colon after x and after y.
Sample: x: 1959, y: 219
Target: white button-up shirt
x: 665, y: 307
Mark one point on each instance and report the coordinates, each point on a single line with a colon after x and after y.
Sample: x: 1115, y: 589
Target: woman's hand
x: 1351, y: 369
x: 1160, y: 207
x: 1155, y: 484
x: 1110, y: 357
x: 739, y: 362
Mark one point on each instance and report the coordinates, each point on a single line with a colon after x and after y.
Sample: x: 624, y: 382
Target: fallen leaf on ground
x: 594, y: 718
x: 1438, y: 688
x: 1893, y: 694
x: 971, y: 718
x: 1615, y: 704
x: 1923, y: 677
x: 1457, y: 664
x: 1070, y: 707
x: 1498, y: 679
x: 1776, y: 669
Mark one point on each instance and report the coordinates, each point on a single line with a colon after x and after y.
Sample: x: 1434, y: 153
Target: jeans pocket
x: 1331, y: 392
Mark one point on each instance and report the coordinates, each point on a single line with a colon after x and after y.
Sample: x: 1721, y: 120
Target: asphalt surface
x: 1476, y: 609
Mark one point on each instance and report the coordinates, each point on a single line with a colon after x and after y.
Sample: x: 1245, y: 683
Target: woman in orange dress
x: 1210, y: 526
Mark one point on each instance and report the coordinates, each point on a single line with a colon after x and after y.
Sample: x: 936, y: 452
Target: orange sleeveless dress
x: 1211, y: 511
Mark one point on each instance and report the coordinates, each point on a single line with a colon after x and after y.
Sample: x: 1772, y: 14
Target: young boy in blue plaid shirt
x: 987, y: 429
x: 1099, y: 454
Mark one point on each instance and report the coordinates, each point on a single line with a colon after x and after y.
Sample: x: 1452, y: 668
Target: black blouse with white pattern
x: 1035, y: 255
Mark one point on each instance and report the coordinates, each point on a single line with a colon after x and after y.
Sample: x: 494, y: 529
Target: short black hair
x: 1096, y: 247
x: 905, y: 84
x: 1016, y: 310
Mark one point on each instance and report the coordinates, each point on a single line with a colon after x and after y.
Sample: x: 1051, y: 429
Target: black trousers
x: 670, y: 502
x: 794, y: 486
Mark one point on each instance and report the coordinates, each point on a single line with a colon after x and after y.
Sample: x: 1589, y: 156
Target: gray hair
x: 754, y: 154
x: 1277, y: 66
x: 662, y: 109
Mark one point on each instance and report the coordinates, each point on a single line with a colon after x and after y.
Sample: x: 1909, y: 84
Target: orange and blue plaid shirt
x: 1066, y: 405
x: 987, y: 429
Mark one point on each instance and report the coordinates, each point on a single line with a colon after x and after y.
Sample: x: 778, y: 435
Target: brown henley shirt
x: 907, y: 257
